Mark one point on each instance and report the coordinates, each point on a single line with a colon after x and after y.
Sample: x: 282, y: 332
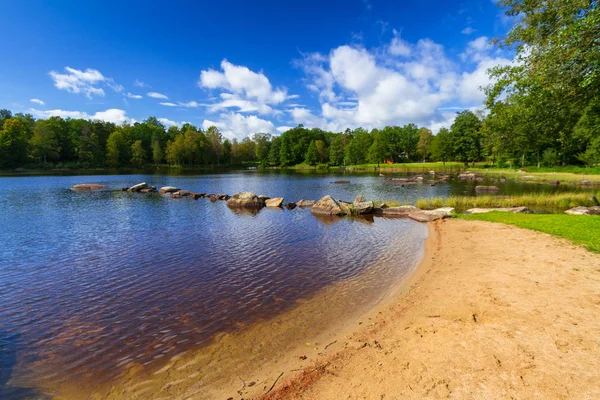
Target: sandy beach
x: 493, y: 312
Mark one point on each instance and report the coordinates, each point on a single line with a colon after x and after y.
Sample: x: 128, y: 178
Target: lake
x: 93, y: 282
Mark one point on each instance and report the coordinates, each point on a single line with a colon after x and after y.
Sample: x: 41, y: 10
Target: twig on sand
x: 335, y: 341
x: 272, y: 386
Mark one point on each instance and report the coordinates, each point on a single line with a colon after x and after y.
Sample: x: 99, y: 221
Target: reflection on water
x: 94, y: 281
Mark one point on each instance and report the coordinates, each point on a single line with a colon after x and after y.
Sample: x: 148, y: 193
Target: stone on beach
x: 274, y: 202
x: 168, y: 189
x: 327, y: 205
x: 246, y: 200
x: 88, y: 187
x: 515, y: 210
x: 138, y: 187
x: 401, y: 211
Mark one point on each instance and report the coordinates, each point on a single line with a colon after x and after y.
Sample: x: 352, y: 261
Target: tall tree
x: 311, y: 154
x: 13, y: 143
x: 424, y: 144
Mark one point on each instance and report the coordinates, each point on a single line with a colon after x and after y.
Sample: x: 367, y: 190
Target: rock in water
x: 487, y: 189
x: 290, y: 205
x: 138, y: 187
x: 362, y: 205
x: 274, y: 202
x: 168, y: 189
x: 245, y: 200
x: 341, y: 182
x: 327, y: 206
x: 305, y: 203
x: 81, y: 187
x: 149, y: 189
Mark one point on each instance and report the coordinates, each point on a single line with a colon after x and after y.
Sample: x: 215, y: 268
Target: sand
x: 495, y: 312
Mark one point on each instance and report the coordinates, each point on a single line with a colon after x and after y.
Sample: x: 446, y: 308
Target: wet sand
x: 495, y: 312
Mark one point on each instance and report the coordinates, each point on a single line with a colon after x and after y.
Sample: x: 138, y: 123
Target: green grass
x: 581, y: 229
x: 564, y: 175
x: 546, y: 201
x: 428, y: 166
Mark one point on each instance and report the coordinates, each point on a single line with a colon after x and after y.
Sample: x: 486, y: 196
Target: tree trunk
x: 523, y: 160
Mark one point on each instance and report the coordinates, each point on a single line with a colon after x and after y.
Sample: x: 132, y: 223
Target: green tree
x: 274, y: 156
x: 311, y: 154
x: 13, y: 143
x: 336, y: 151
x: 465, y: 137
x: 441, y: 146
x: 424, y: 143
x: 321, y: 150
x: 157, y: 152
x: 138, y: 154
x: 44, y: 143
x: 116, y: 150
x: 285, y: 152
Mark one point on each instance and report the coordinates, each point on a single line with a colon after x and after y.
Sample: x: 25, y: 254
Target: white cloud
x: 282, y: 129
x: 156, y: 95
x: 397, y: 84
x: 242, y: 89
x: 111, y: 115
x: 37, y: 101
x: 468, y: 30
x: 133, y: 96
x: 168, y: 122
x: 238, y: 126
x: 168, y: 104
x: 85, y: 82
x: 140, y: 84
x: 190, y: 104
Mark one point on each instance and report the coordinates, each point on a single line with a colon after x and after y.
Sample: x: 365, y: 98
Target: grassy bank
x: 558, y: 201
x: 568, y: 175
x: 581, y: 229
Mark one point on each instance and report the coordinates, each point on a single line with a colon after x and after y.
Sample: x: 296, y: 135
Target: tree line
x: 544, y: 108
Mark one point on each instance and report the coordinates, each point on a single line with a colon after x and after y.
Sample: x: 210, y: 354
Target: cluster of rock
x: 140, y: 188
x: 88, y: 187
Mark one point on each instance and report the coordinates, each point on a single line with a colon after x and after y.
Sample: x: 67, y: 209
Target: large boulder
x: 168, y: 189
x: 327, y: 206
x: 305, y: 203
x: 83, y: 187
x: 245, y: 200
x: 274, y: 202
x: 362, y: 205
x: 138, y: 187
x: 584, y: 211
x: 515, y: 210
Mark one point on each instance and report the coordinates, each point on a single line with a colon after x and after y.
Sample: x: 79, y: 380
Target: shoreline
x: 495, y: 311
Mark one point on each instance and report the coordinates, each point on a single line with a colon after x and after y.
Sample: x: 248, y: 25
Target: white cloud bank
x: 111, y: 115
x: 396, y: 84
x: 88, y: 82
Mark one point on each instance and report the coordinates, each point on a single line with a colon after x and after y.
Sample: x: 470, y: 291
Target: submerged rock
x: 138, y: 187
x: 290, y: 205
x: 327, y: 206
x: 516, y: 210
x: 305, y: 203
x: 274, y: 202
x: 469, y: 176
x: 168, y: 189
x: 81, y: 187
x: 341, y: 182
x: 584, y: 211
x: 487, y: 189
x: 246, y: 200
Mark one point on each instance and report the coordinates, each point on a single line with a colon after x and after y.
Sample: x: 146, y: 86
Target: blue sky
x: 250, y: 66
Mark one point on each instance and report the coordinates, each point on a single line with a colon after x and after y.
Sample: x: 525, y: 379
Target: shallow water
x: 93, y: 281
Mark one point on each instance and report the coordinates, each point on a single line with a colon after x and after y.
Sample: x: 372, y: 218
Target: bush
x: 550, y: 157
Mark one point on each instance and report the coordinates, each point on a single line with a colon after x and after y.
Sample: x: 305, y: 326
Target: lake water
x: 91, y: 282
